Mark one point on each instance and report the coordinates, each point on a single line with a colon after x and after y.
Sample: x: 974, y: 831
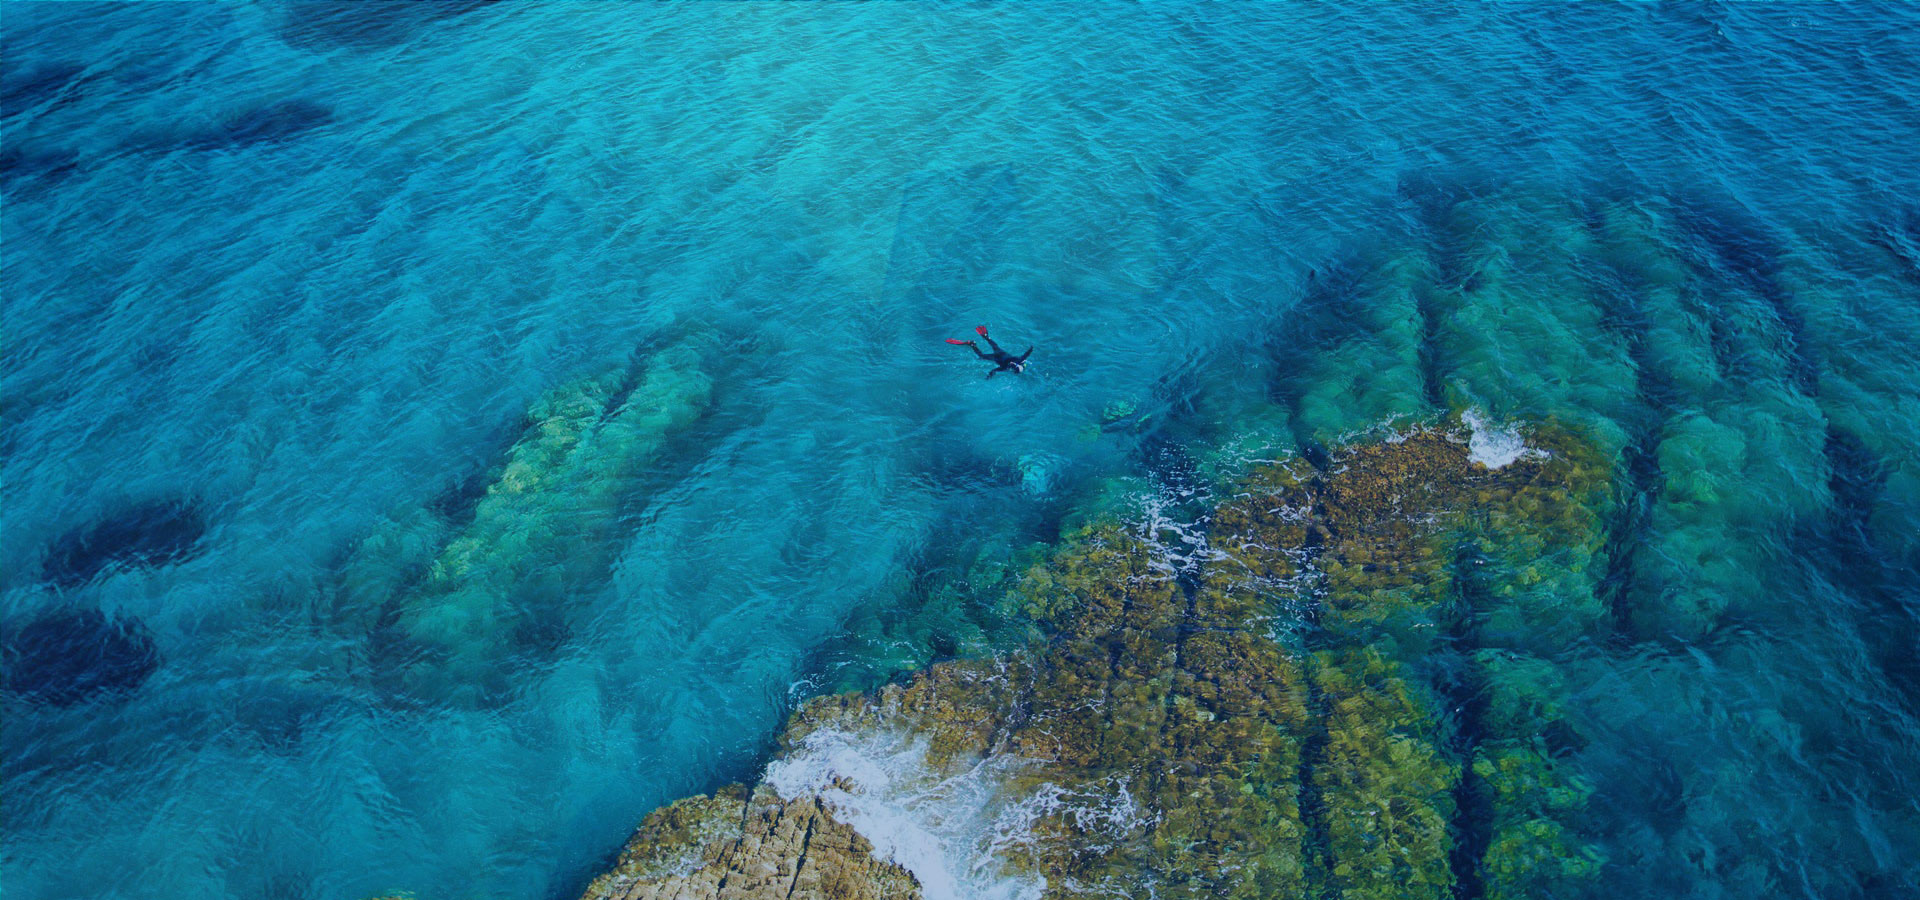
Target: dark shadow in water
x: 1163, y: 455
x: 1330, y: 313
x: 365, y: 24
x: 1460, y: 690
x: 1620, y: 292
x: 152, y: 534
x: 1326, y: 317
x: 1889, y: 624
x: 278, y: 719
x: 28, y: 167
x: 285, y: 885
x: 55, y: 82
x: 1629, y: 531
x: 270, y: 123
x: 952, y: 602
x: 388, y: 653
x: 1740, y: 247
x: 67, y: 656
x: 1883, y: 885
x: 1316, y: 842
x: 1433, y: 200
x: 459, y: 500
x: 1665, y: 796
x: 1899, y: 235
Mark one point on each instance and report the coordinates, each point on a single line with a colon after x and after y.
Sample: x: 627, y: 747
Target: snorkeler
x: 1003, y: 361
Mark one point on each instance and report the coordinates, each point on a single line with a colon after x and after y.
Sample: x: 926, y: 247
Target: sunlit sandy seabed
x: 436, y: 435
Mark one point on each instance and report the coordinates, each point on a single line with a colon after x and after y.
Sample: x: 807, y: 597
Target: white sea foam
x: 1104, y: 815
x: 1494, y: 447
x: 945, y: 827
x: 1179, y: 547
x: 1390, y: 430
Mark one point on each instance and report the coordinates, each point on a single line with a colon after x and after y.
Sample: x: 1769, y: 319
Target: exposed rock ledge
x: 732, y: 846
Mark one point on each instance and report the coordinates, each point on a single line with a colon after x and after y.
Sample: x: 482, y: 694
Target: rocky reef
x: 1261, y: 718
x: 1498, y: 642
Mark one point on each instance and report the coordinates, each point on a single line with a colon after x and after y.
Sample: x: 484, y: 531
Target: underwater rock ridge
x: 457, y: 585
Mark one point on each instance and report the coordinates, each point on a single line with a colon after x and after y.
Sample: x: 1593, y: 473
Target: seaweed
x: 1387, y: 785
x: 560, y: 486
x: 1525, y: 781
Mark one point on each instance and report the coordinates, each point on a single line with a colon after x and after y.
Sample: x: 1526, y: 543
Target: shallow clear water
x: 302, y: 270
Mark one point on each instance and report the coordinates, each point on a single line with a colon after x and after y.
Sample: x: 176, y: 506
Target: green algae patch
x: 1260, y: 718
x: 1360, y: 341
x: 1538, y: 537
x: 560, y: 487
x: 1412, y: 548
x: 1523, y: 331
x: 460, y: 592
x: 1384, y: 780
x: 1523, y: 778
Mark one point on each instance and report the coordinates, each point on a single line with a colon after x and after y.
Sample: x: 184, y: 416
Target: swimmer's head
x: 1019, y: 367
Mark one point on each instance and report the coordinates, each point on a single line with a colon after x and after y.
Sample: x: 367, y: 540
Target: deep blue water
x: 278, y: 277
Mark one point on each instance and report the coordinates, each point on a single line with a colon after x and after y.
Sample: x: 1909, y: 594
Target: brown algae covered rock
x: 732, y: 846
x: 1181, y: 729
x: 1384, y: 781
x: 1172, y: 721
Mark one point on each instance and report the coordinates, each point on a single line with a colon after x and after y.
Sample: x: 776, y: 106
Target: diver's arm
x: 1023, y: 356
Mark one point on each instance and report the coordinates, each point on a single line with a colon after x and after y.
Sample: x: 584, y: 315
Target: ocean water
x: 284, y: 281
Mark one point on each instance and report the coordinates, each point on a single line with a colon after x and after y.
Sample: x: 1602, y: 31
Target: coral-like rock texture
x: 1262, y: 718
x: 732, y: 846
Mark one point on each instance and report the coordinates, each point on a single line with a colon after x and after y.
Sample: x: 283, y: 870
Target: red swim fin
x: 980, y: 330
x: 960, y: 342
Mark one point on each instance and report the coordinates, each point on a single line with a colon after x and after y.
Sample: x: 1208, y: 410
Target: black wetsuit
x: 1004, y: 361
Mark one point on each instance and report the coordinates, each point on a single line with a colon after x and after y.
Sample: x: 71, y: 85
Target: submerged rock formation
x: 1184, y: 729
x: 457, y: 587
x: 1444, y: 656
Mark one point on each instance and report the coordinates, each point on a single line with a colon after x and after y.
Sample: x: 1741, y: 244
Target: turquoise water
x: 277, y: 277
